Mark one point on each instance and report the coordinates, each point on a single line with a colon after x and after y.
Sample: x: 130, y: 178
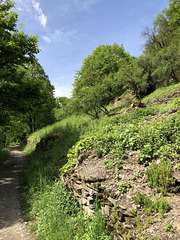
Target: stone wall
x: 90, y: 178
x: 87, y: 181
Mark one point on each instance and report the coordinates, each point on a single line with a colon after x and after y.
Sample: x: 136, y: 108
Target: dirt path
x: 12, y: 226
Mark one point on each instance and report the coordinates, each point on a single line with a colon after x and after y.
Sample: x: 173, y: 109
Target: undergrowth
x: 159, y: 176
x: 59, y: 217
x: 167, y: 91
x: 4, y: 154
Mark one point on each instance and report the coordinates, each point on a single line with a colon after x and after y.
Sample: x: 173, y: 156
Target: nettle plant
x: 74, y: 152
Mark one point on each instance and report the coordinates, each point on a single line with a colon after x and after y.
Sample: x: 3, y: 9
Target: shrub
x: 4, y: 154
x: 74, y: 152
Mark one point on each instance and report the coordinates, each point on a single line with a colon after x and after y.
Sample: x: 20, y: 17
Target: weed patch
x: 159, y: 176
x: 160, y: 206
x: 125, y: 186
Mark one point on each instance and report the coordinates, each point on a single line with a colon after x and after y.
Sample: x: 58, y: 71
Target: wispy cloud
x: 23, y: 5
x: 65, y: 7
x: 41, y: 16
x: 33, y: 9
x: 60, y: 36
x: 84, y: 4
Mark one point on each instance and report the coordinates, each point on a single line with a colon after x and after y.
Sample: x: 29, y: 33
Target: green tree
x: 173, y: 13
x: 95, y: 84
x: 34, y: 108
x: 16, y: 47
x: 163, y: 44
x: 133, y: 77
x: 62, y: 109
x: 36, y: 96
x: 26, y: 94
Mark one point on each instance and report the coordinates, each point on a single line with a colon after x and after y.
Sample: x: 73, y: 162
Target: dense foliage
x: 96, y: 83
x: 26, y: 95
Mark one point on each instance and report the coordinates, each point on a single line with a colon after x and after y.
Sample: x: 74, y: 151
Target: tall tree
x: 26, y: 94
x: 94, y: 84
x: 16, y: 48
x: 36, y: 96
x: 163, y: 44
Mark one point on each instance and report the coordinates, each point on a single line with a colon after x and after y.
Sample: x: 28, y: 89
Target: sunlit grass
x: 58, y: 128
x: 162, y: 92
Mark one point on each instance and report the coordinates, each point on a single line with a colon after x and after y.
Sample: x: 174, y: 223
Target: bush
x: 4, y: 154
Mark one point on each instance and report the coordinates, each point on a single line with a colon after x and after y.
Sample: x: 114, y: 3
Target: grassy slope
x: 152, y: 131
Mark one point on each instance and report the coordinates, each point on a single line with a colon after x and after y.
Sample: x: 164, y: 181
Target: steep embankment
x: 132, y: 160
x: 134, y: 163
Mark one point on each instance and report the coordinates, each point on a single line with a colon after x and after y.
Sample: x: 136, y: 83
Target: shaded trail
x: 12, y: 226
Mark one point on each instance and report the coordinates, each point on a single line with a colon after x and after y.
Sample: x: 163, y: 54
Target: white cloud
x: 33, y: 9
x: 63, y: 90
x: 41, y: 16
x: 60, y: 36
x: 65, y: 7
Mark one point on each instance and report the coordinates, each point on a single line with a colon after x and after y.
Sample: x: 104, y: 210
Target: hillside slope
x: 131, y: 159
x: 134, y: 163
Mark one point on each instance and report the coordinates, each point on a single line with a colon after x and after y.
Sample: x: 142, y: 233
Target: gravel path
x: 12, y: 226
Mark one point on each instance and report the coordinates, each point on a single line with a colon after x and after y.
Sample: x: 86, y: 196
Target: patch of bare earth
x: 12, y: 226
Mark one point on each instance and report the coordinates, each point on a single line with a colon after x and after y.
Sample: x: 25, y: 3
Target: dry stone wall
x: 90, y: 178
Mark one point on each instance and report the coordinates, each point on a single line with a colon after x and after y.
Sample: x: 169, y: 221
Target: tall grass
x: 77, y: 123
x: 162, y: 92
x: 60, y: 218
x: 55, y: 213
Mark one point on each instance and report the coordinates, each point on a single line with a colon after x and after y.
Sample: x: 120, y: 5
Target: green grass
x: 54, y: 212
x: 162, y: 92
x: 4, y: 154
x: 160, y: 177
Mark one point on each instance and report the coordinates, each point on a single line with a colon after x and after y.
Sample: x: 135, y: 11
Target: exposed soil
x: 12, y: 226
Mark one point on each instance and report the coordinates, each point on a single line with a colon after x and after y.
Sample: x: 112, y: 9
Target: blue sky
x: 69, y: 30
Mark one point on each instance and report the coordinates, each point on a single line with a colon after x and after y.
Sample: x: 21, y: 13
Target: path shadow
x: 10, y: 171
